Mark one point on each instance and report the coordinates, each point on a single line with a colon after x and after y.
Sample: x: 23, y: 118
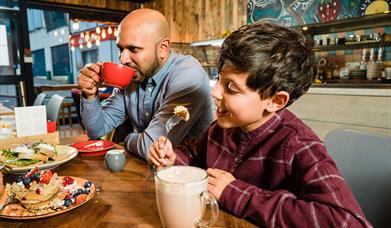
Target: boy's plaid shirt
x: 284, y: 177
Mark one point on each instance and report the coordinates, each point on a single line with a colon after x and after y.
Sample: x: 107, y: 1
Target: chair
x: 39, y: 99
x: 364, y: 160
x: 53, y: 107
x: 76, y: 100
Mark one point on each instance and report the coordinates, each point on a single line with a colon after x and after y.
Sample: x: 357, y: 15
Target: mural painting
x: 299, y: 12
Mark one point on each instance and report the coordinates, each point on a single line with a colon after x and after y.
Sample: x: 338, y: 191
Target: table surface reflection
x: 126, y: 199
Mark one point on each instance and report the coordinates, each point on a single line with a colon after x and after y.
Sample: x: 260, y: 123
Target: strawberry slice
x: 80, y: 198
x: 46, y: 176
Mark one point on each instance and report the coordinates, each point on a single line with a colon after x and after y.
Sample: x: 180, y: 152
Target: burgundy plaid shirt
x: 284, y: 177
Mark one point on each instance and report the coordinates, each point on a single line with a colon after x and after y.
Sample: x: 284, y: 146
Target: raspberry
x: 68, y: 181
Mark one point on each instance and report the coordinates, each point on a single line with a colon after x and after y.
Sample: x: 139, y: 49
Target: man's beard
x: 149, y: 72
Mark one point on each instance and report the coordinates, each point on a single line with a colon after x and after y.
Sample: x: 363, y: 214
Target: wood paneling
x: 190, y: 20
x: 202, y: 19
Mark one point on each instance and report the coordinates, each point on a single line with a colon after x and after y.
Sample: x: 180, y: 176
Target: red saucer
x: 93, y: 147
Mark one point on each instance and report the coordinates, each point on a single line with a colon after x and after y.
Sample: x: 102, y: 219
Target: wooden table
x: 127, y: 199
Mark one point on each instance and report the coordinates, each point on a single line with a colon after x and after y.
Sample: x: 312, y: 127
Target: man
x: 163, y: 80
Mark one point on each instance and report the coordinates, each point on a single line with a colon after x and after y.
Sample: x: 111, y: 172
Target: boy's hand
x: 218, y: 180
x: 161, y: 155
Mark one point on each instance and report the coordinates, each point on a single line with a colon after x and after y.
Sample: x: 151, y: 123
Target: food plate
x: 64, y: 154
x: 93, y: 147
x: 79, y: 181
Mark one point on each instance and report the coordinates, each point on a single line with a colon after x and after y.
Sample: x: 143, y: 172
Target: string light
x: 92, y: 37
x: 75, y: 25
x: 55, y: 33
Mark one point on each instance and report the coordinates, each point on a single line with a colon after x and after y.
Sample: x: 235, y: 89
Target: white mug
x: 182, y: 197
x: 115, y: 160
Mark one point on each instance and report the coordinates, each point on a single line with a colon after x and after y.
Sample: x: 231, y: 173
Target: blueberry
x: 67, y: 202
x: 36, y: 176
x: 87, y: 184
x: 26, y: 180
x: 19, y: 179
x: 79, y: 191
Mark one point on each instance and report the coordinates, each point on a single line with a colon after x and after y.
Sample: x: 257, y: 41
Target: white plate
x: 64, y: 154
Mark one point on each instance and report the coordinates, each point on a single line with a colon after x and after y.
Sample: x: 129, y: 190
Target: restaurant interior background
x: 43, y: 45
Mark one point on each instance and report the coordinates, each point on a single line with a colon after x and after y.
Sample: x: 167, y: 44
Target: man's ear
x: 165, y: 46
x: 278, y: 101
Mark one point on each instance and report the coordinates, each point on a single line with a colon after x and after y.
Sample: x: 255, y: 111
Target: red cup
x: 116, y: 75
x: 51, y: 126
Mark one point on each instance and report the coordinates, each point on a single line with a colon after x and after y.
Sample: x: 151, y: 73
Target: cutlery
x: 174, y: 120
x: 171, y: 122
x: 96, y: 144
x: 5, y: 168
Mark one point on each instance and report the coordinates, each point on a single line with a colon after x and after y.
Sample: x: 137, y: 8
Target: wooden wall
x: 194, y: 20
x: 190, y: 20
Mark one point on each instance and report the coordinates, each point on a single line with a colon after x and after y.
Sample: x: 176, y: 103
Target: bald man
x: 163, y: 80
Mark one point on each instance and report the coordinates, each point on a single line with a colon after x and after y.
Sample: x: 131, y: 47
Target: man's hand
x: 88, y: 80
x: 161, y: 154
x: 218, y: 180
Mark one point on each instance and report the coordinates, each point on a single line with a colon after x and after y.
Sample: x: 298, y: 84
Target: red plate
x: 93, y: 147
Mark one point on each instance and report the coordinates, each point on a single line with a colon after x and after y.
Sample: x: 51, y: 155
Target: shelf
x: 357, y: 45
x: 349, y: 24
x: 356, y: 81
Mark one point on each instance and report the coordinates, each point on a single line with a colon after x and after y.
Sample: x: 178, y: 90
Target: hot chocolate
x: 179, y: 193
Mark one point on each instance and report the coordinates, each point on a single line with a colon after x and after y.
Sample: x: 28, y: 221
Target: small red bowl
x: 116, y: 75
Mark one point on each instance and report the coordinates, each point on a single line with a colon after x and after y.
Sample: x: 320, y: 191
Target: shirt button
x: 237, y: 160
x: 147, y: 114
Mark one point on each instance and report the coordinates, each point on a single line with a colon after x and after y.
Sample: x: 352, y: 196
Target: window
x: 54, y: 20
x: 60, y: 59
x: 34, y: 19
x: 90, y: 56
x: 10, y: 3
x: 39, y: 68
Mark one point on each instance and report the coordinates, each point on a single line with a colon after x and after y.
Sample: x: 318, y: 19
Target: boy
x: 264, y: 164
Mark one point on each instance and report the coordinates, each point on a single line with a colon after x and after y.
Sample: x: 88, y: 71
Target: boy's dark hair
x: 277, y: 58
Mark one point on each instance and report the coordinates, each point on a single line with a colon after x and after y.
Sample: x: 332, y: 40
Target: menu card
x: 30, y: 120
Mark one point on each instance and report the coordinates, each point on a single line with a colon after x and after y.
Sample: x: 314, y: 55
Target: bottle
x: 363, y: 63
x: 380, y: 55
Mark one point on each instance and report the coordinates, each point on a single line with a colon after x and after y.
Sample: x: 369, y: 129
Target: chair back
x: 364, y: 160
x: 53, y: 107
x: 76, y: 100
x: 39, y: 99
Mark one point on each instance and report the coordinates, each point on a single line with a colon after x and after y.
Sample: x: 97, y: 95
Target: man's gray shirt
x: 181, y: 81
